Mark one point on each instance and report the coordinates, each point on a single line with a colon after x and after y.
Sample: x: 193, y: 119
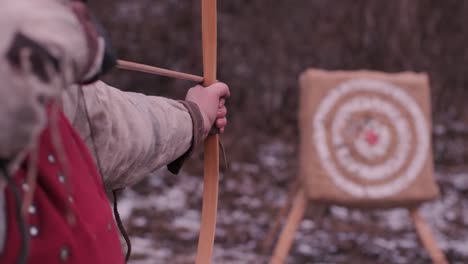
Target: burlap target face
x: 365, y: 138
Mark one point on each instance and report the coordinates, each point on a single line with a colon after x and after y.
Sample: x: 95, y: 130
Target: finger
x: 222, y: 112
x: 221, y: 89
x: 222, y: 102
x: 221, y: 122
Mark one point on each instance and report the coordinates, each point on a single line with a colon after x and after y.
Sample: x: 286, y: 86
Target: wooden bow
x: 211, y: 153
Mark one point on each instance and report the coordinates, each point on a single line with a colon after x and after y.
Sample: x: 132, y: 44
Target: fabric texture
x: 63, y: 227
x: 130, y: 135
x: 197, y: 136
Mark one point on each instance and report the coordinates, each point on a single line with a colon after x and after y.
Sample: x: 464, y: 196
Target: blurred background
x: 263, y: 47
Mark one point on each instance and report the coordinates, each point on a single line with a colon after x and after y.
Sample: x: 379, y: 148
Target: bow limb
x: 211, y: 153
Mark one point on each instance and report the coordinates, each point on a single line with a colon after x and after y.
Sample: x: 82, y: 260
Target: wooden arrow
x: 133, y: 66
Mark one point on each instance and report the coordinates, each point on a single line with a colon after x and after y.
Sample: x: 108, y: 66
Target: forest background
x: 263, y: 47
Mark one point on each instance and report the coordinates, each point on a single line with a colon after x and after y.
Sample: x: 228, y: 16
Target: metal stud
x: 34, y: 231
x: 25, y: 187
x: 51, y: 158
x: 70, y: 199
x: 32, y: 209
x: 61, y: 178
x: 64, y: 253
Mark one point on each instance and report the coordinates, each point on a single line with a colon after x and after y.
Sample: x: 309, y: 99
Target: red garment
x: 70, y: 220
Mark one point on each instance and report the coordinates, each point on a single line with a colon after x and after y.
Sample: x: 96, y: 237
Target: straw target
x: 371, y: 138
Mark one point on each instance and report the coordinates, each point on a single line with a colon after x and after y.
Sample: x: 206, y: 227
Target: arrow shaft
x: 133, y: 66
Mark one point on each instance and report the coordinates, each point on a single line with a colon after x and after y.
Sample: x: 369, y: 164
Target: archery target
x: 362, y: 129
x: 369, y: 136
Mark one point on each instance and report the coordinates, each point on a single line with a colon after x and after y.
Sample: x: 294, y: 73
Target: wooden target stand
x: 364, y: 143
x: 297, y: 202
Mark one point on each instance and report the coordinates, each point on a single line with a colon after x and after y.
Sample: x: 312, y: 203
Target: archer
x: 67, y: 138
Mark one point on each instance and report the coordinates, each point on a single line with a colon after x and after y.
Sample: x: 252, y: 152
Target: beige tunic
x: 133, y: 134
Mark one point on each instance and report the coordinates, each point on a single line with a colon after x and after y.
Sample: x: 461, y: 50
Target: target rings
x: 371, y: 138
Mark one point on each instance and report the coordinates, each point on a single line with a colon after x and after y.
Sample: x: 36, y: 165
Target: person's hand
x: 211, y: 102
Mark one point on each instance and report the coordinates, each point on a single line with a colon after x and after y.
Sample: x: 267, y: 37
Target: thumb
x: 221, y: 89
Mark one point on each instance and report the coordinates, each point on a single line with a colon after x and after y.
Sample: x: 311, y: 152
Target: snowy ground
x: 163, y: 217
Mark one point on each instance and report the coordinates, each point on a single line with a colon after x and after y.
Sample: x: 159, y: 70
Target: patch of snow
x: 248, y: 201
x: 384, y: 243
x: 174, y: 199
x: 307, y: 225
x: 460, y: 181
x: 307, y: 250
x: 140, y: 221
x: 340, y: 212
x: 396, y: 219
x: 189, y: 221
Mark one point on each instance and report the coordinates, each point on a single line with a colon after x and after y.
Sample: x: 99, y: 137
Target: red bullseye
x: 372, y: 138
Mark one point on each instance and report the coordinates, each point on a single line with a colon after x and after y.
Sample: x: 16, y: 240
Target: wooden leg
x: 287, y: 235
x: 427, y: 238
x: 270, y: 237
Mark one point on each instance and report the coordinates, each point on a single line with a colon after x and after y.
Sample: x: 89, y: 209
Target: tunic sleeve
x: 131, y: 135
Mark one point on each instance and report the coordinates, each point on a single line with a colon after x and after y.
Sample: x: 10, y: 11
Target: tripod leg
x: 270, y: 237
x: 427, y: 238
x: 287, y: 235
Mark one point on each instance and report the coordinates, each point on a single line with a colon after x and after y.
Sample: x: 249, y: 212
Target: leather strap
x: 211, y: 154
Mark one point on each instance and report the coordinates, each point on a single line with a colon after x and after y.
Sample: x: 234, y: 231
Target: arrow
x: 133, y: 66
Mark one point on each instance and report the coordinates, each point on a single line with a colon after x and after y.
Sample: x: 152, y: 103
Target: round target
x: 371, y: 138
